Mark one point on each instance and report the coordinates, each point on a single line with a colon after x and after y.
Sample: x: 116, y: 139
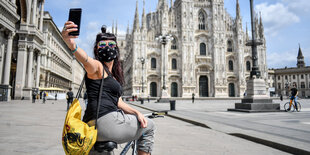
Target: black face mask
x: 107, y: 54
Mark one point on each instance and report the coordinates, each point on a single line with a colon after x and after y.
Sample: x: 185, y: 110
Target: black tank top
x: 111, y: 92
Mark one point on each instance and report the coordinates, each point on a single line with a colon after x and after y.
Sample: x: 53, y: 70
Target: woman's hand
x: 69, y: 27
x: 142, y: 120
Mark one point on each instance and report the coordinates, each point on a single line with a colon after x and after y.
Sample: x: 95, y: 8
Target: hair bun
x: 103, y: 29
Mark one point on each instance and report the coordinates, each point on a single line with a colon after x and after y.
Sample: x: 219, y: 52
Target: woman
x: 117, y: 121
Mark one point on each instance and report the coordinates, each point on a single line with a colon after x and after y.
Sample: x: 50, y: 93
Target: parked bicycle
x: 106, y: 148
x: 290, y: 106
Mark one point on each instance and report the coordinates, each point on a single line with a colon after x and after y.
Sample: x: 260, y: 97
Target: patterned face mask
x: 107, y: 51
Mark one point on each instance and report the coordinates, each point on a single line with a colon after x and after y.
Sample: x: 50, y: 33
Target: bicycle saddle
x: 106, y: 146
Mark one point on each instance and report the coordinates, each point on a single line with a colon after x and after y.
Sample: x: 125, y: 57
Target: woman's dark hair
x: 116, y: 69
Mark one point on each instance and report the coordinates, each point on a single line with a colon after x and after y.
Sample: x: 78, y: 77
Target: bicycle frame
x: 132, y: 144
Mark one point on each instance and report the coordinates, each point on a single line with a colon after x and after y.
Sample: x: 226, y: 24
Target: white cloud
x: 287, y: 58
x: 298, y: 6
x: 75, y: 3
x: 276, y: 17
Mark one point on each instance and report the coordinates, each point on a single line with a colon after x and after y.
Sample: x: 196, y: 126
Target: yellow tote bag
x: 77, y: 137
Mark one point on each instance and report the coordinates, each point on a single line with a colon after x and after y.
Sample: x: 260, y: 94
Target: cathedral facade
x: 205, y: 54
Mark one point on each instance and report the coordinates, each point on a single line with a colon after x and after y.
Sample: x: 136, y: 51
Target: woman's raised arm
x: 91, y: 66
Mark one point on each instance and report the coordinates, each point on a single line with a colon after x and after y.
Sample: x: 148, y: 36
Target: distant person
x: 294, y: 93
x: 85, y: 97
x: 244, y: 94
x: 148, y: 98
x: 34, y: 95
x: 281, y: 97
x: 56, y: 96
x: 69, y: 98
x: 193, y: 98
x: 133, y: 98
x: 44, y: 96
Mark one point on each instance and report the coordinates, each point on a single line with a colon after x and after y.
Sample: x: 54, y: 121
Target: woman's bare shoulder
x: 98, y: 74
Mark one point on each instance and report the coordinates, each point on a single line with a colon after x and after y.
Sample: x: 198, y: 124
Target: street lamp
x: 254, y: 43
x: 164, y: 39
x: 142, y: 62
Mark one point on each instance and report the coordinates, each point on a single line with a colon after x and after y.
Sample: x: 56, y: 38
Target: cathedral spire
x: 300, y: 59
x: 128, y: 28
x: 116, y: 29
x: 237, y: 10
x: 143, y: 16
x: 256, y: 26
x: 136, y: 24
x: 246, y: 31
x: 113, y: 26
x: 261, y: 26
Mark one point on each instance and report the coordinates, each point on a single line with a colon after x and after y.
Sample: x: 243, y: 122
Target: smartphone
x: 75, y: 17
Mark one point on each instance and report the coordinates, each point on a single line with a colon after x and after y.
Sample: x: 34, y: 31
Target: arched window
x: 174, y: 44
x: 203, y: 49
x: 230, y: 65
x: 229, y: 46
x: 248, y: 66
x: 201, y: 21
x: 174, y: 64
x: 153, y: 63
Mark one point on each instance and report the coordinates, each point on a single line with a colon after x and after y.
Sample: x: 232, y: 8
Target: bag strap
x: 81, y: 87
x: 99, y: 99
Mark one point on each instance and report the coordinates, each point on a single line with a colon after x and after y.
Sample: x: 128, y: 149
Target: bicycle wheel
x: 298, y: 106
x: 287, y: 105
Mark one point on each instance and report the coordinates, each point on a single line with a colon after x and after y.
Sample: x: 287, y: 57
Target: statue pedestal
x: 164, y: 97
x: 257, y: 99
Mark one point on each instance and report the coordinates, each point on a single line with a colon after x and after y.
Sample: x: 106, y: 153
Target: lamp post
x: 164, y: 39
x: 254, y: 43
x: 142, y: 62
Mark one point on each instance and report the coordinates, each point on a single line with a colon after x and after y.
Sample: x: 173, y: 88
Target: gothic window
x: 279, y: 77
x: 294, y: 77
x: 153, y: 63
x: 174, y: 64
x: 279, y: 85
x: 174, y: 44
x: 230, y: 65
x: 229, y: 46
x: 203, y: 49
x: 302, y: 76
x: 248, y: 66
x: 202, y: 21
x: 285, y: 77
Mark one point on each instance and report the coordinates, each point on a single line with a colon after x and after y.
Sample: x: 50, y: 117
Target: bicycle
x: 293, y: 107
x: 106, y: 148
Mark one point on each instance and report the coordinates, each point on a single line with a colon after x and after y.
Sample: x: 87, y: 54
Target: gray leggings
x: 120, y: 128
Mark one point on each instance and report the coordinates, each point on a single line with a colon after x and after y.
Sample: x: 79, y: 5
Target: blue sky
x: 286, y: 22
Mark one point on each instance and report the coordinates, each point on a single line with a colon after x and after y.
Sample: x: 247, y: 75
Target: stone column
x: 21, y: 70
x: 8, y: 58
x: 30, y: 62
x: 34, y: 12
x: 41, y: 16
x: 2, y: 62
x: 38, y: 70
